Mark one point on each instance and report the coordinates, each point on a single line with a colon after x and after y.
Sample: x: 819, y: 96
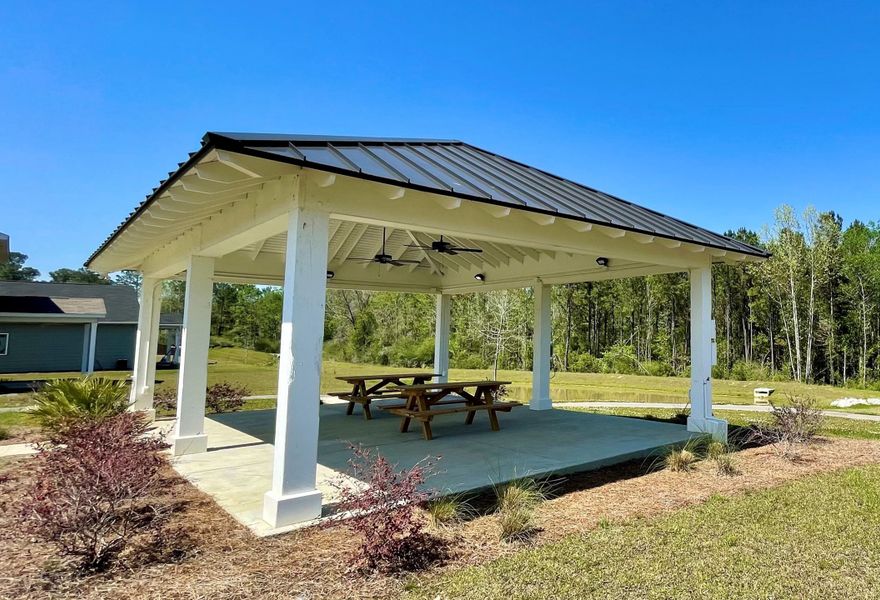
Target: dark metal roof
x: 118, y: 303
x: 454, y: 168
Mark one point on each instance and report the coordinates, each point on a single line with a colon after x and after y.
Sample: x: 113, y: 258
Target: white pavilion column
x: 441, y: 337
x: 703, y: 357
x: 144, y: 371
x: 189, y: 429
x: 541, y: 349
x: 294, y: 497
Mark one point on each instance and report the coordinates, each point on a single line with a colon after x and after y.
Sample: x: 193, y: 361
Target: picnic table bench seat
x: 421, y: 398
x: 363, y: 394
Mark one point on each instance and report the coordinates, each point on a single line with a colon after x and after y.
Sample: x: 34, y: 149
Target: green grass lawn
x: 815, y: 538
x: 258, y: 371
x: 832, y: 426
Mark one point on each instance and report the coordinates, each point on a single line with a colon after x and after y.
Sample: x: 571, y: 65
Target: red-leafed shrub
x: 385, y: 513
x: 219, y: 398
x: 225, y: 397
x: 91, y: 493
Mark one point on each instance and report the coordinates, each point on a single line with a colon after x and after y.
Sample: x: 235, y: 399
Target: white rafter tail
x: 324, y: 180
x: 448, y: 202
x: 255, y: 167
x: 495, y: 210
x: 642, y: 238
x: 613, y: 233
x: 219, y: 172
x: 718, y: 253
x: 670, y: 243
x: 695, y: 249
x: 541, y: 219
x: 396, y: 193
x: 579, y: 226
x: 738, y: 257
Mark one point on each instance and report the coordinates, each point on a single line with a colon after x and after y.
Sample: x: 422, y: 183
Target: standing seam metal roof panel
x: 452, y: 167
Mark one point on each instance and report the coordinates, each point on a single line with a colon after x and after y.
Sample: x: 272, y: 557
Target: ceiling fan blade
x: 419, y: 246
x: 360, y: 259
x: 467, y: 249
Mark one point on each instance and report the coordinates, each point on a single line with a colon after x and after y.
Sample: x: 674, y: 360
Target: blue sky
x: 713, y: 112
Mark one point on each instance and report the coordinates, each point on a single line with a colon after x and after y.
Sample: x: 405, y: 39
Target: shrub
x: 384, y: 513
x: 680, y: 460
x: 165, y: 400
x: 516, y: 504
x: 90, y: 492
x: 225, y: 397
x: 584, y: 363
x: 448, y: 510
x: 791, y: 426
x: 64, y: 403
x: 721, y: 456
x: 744, y: 370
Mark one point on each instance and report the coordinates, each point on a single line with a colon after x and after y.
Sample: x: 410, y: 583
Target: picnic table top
x: 451, y: 385
x: 385, y: 376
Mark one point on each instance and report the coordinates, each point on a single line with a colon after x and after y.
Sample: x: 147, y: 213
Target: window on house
x: 4, y: 343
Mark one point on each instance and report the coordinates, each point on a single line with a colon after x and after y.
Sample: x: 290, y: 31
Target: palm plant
x: 64, y: 402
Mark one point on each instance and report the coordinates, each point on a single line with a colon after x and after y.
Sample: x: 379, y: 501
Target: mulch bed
x: 209, y: 555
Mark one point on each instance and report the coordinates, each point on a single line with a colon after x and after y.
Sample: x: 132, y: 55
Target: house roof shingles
x: 118, y: 303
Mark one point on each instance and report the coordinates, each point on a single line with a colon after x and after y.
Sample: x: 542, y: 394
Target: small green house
x: 48, y: 327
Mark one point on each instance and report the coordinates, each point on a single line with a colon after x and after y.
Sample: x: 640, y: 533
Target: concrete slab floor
x: 237, y: 468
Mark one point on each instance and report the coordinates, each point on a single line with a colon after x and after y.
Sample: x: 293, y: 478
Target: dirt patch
x: 214, y: 557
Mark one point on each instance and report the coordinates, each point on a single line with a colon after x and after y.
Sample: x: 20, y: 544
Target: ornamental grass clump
x: 517, y: 502
x: 722, y: 457
x: 385, y: 514
x: 680, y: 460
x: 65, y: 403
x: 91, y: 492
x: 448, y: 510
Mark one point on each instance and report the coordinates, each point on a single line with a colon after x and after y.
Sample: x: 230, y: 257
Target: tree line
x: 810, y: 313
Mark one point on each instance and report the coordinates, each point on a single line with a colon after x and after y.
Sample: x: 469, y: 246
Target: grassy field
x: 832, y: 426
x: 815, y: 538
x: 258, y: 371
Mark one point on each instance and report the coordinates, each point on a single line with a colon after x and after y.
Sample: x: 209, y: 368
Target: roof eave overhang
x: 214, y: 141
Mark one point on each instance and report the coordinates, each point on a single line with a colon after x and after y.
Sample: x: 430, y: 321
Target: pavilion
x: 296, y: 210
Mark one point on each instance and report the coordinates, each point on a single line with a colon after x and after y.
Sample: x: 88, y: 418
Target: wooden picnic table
x: 421, y: 400
x: 363, y: 394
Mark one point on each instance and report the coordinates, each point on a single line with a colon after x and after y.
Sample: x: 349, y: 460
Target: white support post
x: 541, y: 349
x: 702, y: 357
x: 84, y: 361
x: 441, y: 337
x: 144, y: 369
x: 294, y: 497
x: 189, y: 430
x: 90, y: 339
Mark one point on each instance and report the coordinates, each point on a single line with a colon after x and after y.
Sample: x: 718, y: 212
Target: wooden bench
x: 420, y: 400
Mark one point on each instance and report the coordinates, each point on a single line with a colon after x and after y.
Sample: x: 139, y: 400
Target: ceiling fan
x: 444, y: 247
x: 383, y: 258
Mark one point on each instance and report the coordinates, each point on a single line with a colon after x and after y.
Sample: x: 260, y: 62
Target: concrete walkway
x: 682, y: 405
x: 16, y: 450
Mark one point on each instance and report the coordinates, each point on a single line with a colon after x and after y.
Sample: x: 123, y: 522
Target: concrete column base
x: 189, y: 444
x: 540, y: 404
x: 717, y: 428
x: 290, y: 509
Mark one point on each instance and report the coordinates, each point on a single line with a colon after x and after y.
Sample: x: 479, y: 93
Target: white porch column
x: 441, y: 337
x: 703, y: 357
x: 189, y: 429
x: 90, y: 340
x: 294, y: 497
x: 541, y: 349
x: 144, y: 369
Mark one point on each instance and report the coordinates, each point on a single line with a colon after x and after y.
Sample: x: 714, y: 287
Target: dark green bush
x: 62, y: 403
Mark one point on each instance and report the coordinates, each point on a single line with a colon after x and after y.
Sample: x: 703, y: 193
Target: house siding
x: 47, y: 347
x: 42, y: 347
x: 114, y: 342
